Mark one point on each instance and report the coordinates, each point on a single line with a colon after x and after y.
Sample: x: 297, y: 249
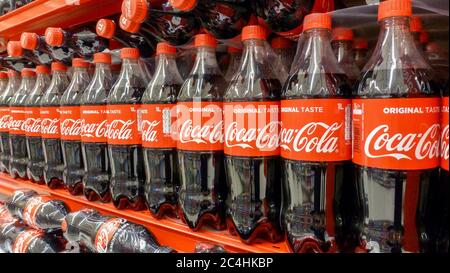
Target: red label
x: 444, y: 135
x: 70, y: 122
x: 123, y: 124
x: 5, y: 119
x: 158, y: 125
x: 24, y: 239
x: 316, y: 129
x: 31, y: 208
x: 33, y: 121
x: 17, y: 123
x: 106, y: 232
x: 396, y: 134
x: 94, y: 123
x: 50, y: 122
x: 200, y: 126
x: 252, y: 128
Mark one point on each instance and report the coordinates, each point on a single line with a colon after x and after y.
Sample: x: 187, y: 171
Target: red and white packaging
x: 33, y: 121
x: 17, y: 122
x: 70, y: 124
x: 444, y: 134
x: 5, y: 119
x: 94, y: 124
x: 50, y: 122
x: 123, y: 123
x: 158, y: 128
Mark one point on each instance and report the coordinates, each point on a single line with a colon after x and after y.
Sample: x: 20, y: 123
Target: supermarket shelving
x: 170, y: 232
x: 40, y: 14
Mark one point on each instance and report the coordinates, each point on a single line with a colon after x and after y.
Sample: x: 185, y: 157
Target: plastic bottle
x: 124, y: 140
x: 70, y: 127
x: 17, y: 138
x: 35, y: 44
x: 158, y: 122
x: 284, y: 51
x: 5, y: 217
x: 16, y: 50
x: 5, y: 113
x: 234, y: 64
x: 50, y: 126
x: 424, y: 39
x: 252, y: 161
x: 93, y: 131
x: 342, y: 44
x: 200, y: 140
x: 36, y: 161
x: 395, y: 159
x: 3, y: 81
x: 360, y: 52
x: 315, y: 142
x: 107, y: 29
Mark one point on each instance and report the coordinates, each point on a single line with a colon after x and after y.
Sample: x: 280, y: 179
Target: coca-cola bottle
x: 124, y: 139
x: 4, y: 111
x: 106, y: 234
x: 415, y: 26
x: 234, y: 63
x: 3, y: 82
x: 37, y: 211
x: 80, y: 42
x: 15, y: 49
x: 360, y: 52
x: 36, y: 161
x: 158, y: 120
x: 37, y: 46
x: 174, y: 28
x: 424, y: 39
x: 252, y: 154
x: 342, y: 44
x: 396, y: 135
x: 107, y: 29
x: 5, y: 217
x: 50, y: 126
x: 17, y: 138
x: 14, y: 63
x: 200, y: 140
x: 70, y: 127
x: 5, y: 114
x: 315, y: 141
x: 284, y: 52
x: 93, y: 131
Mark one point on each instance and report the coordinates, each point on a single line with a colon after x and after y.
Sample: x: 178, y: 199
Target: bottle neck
x: 59, y: 80
x: 343, y: 51
x: 254, y: 60
x: 130, y: 68
x: 13, y: 83
x: 27, y: 84
x: 167, y: 70
x: 206, y: 62
x: 102, y: 71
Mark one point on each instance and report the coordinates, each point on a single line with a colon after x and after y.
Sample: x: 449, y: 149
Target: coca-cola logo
x: 33, y: 125
x: 106, y: 233
x: 444, y: 143
x: 266, y: 138
x: 381, y: 143
x: 16, y: 125
x: 120, y: 129
x: 149, y: 131
x: 317, y: 137
x: 71, y: 127
x: 50, y: 126
x: 97, y: 130
x: 5, y: 121
x: 201, y: 133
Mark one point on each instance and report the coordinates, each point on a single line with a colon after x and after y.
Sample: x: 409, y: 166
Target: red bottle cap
x: 415, y: 24
x: 254, y: 32
x: 3, y: 75
x: 205, y: 40
x: 129, y: 53
x: 135, y: 10
x: 14, y: 49
x: 79, y: 62
x: 360, y: 44
x: 232, y: 49
x: 128, y: 25
x: 54, y: 36
x: 342, y: 34
x: 64, y: 225
x: 280, y: 43
x: 183, y: 5
x: 28, y: 72
x: 42, y: 69
x: 317, y: 20
x: 391, y: 8
x: 165, y: 48
x: 12, y: 73
x: 102, y: 58
x: 424, y: 37
x: 105, y: 28
x: 29, y: 40
x: 57, y: 66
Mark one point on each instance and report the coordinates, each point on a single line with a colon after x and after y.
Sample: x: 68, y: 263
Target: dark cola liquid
x: 54, y: 166
x: 254, y: 199
x: 19, y: 158
x: 74, y: 168
x: 36, y: 160
x: 146, y: 45
x: 6, y: 152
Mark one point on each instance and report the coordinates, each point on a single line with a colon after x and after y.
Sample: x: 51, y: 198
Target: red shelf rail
x: 170, y: 232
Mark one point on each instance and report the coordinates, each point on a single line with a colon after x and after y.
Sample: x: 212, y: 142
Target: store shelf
x: 40, y: 14
x: 170, y: 232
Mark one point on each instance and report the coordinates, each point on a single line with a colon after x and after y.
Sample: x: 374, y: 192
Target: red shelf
x: 40, y: 14
x: 170, y: 232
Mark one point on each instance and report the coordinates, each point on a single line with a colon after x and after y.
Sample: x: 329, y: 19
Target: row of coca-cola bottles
x: 33, y: 223
x: 335, y: 169
x: 10, y: 5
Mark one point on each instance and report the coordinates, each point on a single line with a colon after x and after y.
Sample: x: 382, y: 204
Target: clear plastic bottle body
x: 233, y: 66
x: 254, y: 197
x: 5, y: 100
x: 17, y: 141
x: 54, y: 164
x: 126, y: 161
x: 202, y: 191
x: 71, y: 144
x: 97, y: 168
x: 360, y: 55
x: 161, y: 164
x: 84, y: 42
x: 344, y: 53
x: 396, y: 69
x: 36, y: 160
